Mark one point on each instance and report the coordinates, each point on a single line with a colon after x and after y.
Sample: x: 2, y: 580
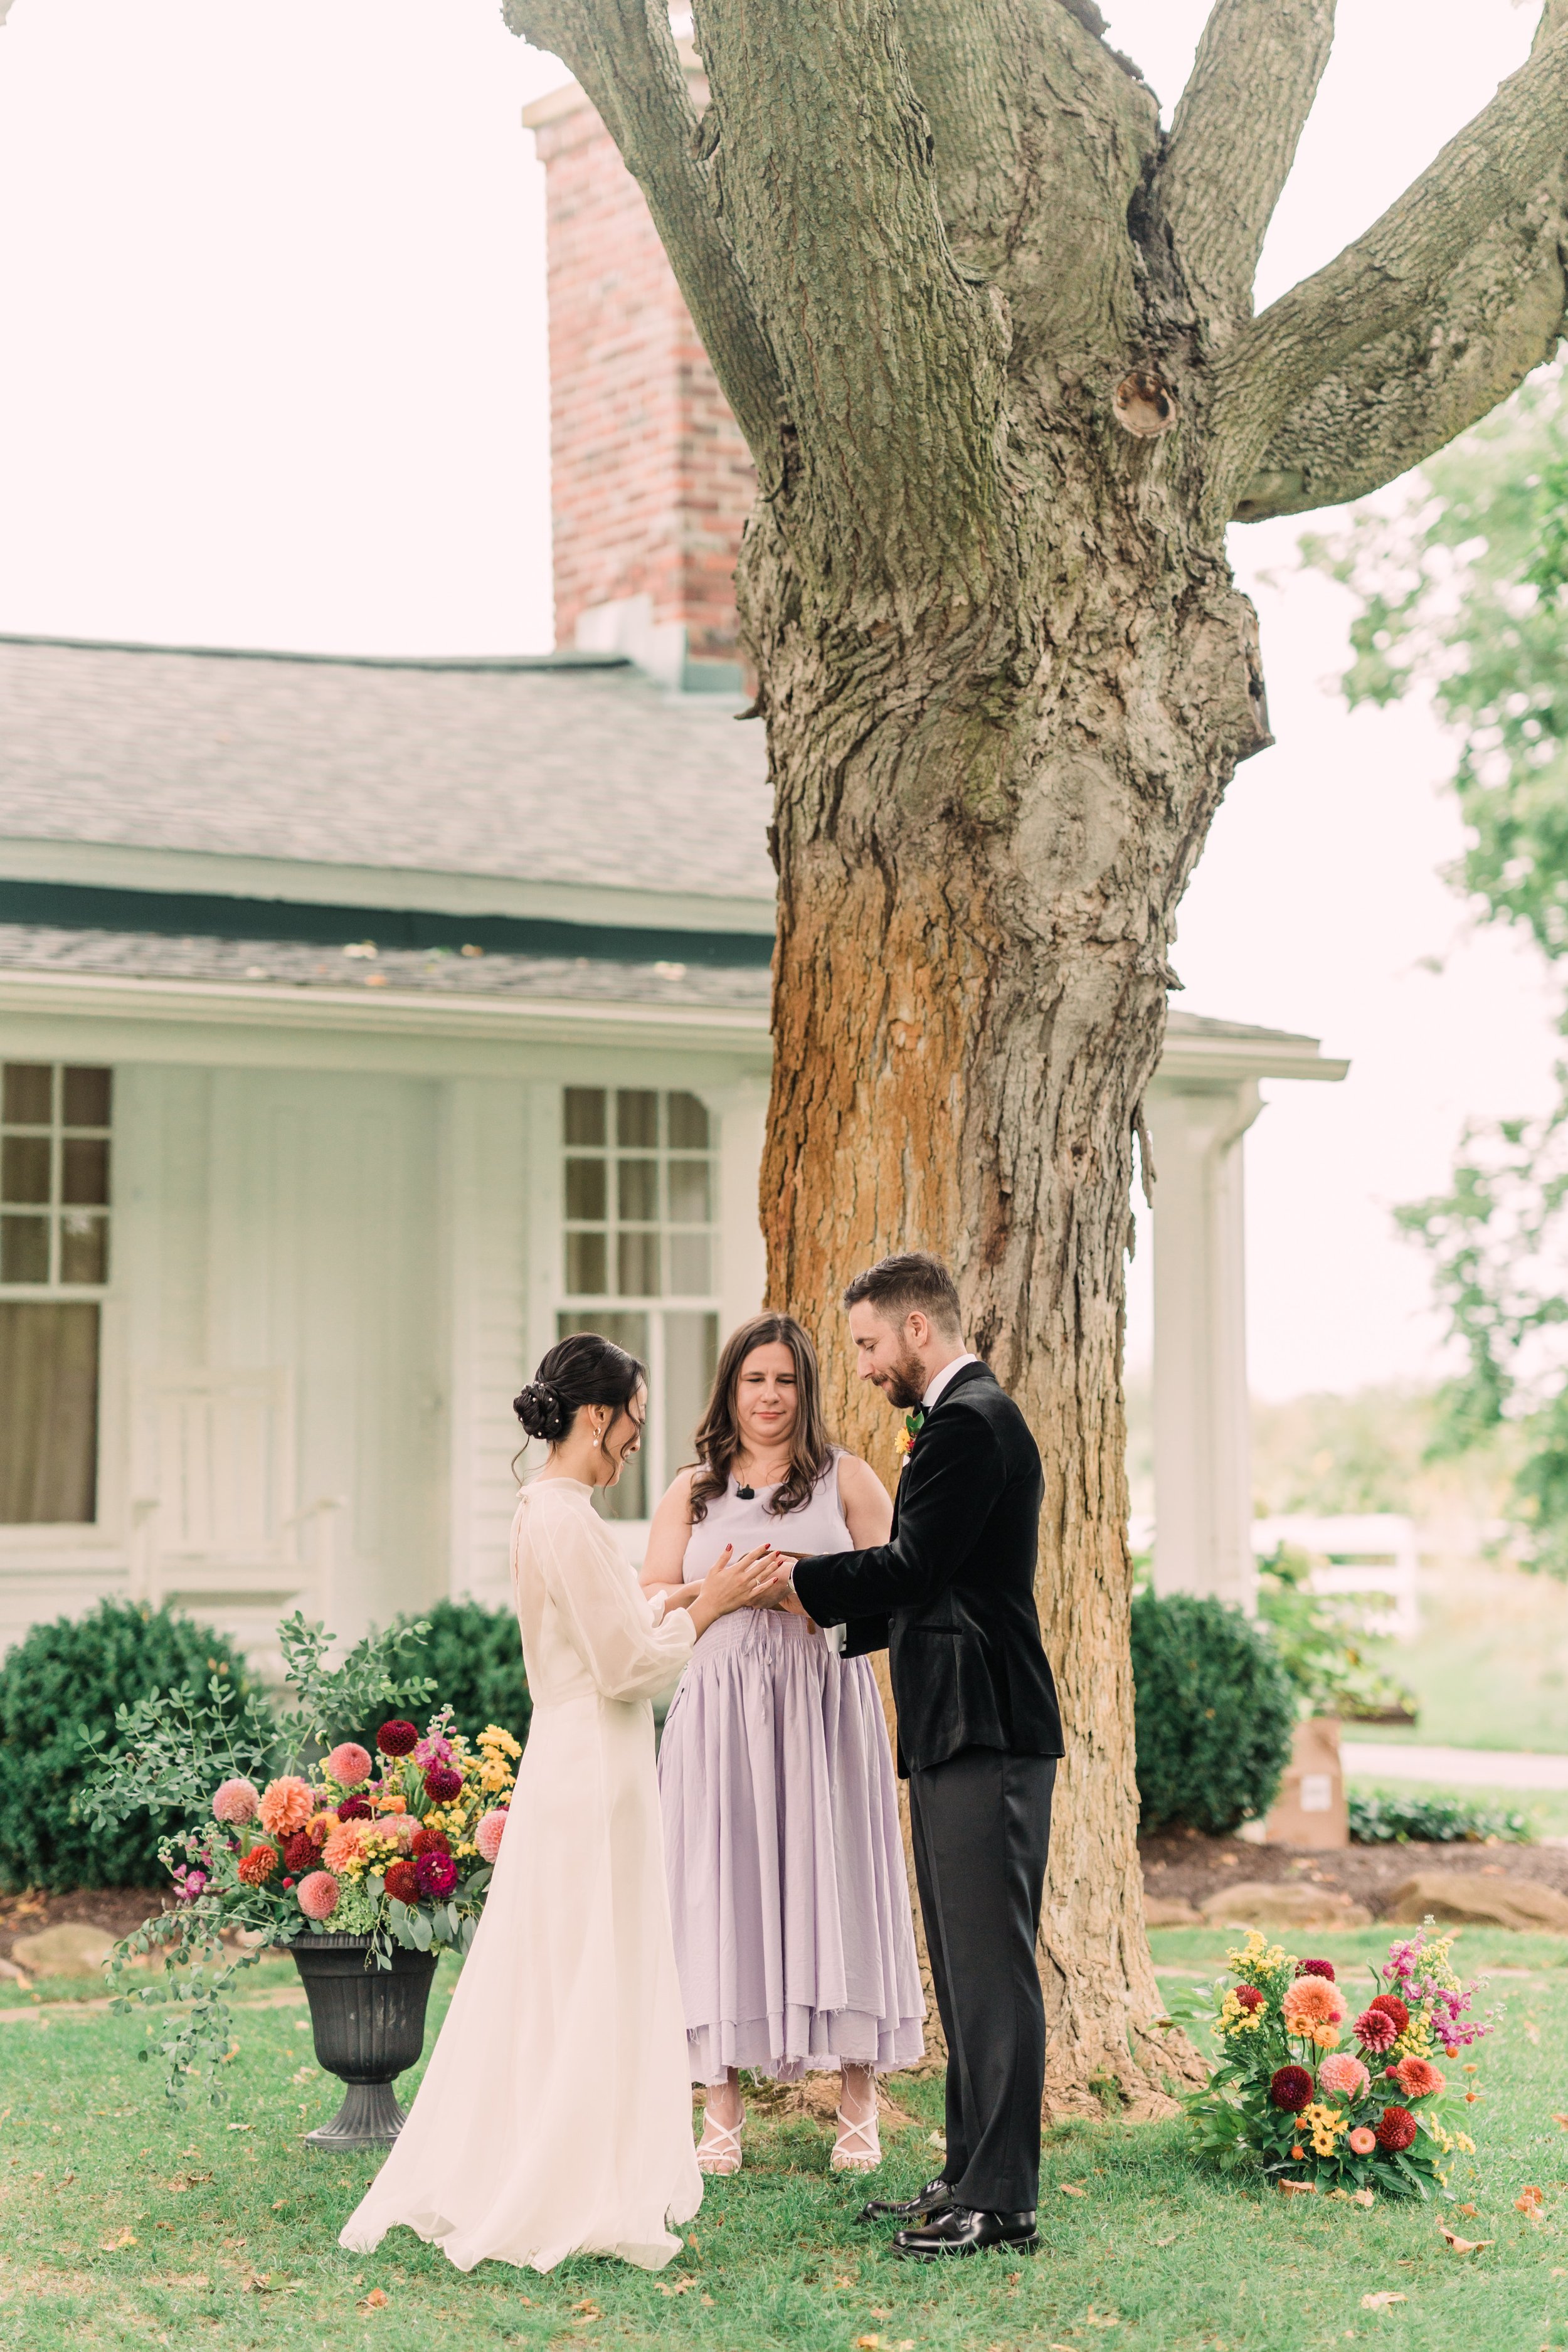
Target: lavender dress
x: 793, y: 1935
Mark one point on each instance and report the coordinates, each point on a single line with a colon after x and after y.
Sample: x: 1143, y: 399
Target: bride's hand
x: 753, y: 1581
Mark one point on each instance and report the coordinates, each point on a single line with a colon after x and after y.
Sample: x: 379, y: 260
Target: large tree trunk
x: 979, y: 861
x: 987, y: 327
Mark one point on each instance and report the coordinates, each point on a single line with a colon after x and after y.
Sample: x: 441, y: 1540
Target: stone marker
x: 75, y: 1948
x: 1282, y: 1902
x: 1169, y: 1911
x: 1466, y: 1898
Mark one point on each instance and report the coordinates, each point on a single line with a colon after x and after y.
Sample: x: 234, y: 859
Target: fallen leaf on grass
x: 1469, y: 2211
x: 260, y: 2283
x: 1298, y: 2189
x: 708, y: 2300
x: 113, y: 2245
x: 1380, y: 2302
x: 1093, y: 2319
x: 1462, y: 2245
x: 1071, y: 2188
x: 586, y: 2309
x: 304, y: 2075
x: 1533, y: 2032
x: 936, y: 2139
x: 1560, y: 2119
x: 242, y: 2126
x: 677, y: 2287
x: 1530, y: 2201
x: 1363, y: 2198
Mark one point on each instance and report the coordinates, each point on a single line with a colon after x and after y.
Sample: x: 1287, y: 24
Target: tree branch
x: 1234, y: 140
x: 1378, y: 286
x: 622, y: 55
x: 1397, y: 400
x: 1040, y: 135
x: 891, y: 360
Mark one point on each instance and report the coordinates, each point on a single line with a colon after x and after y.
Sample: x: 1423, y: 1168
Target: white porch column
x: 741, y: 1112
x: 1203, y: 1482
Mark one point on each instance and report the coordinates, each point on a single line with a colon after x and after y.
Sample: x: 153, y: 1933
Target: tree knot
x: 1145, y: 405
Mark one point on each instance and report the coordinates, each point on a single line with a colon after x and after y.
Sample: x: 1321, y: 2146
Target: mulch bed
x: 117, y: 1909
x: 1188, y: 1867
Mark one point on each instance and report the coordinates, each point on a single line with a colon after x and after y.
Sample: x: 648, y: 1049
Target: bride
x: 556, y: 2114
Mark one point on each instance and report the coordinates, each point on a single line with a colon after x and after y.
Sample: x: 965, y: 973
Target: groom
x: 952, y: 1595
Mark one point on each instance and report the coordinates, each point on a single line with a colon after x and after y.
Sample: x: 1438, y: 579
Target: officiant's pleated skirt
x: 556, y: 2114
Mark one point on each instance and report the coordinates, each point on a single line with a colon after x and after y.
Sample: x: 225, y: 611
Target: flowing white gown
x: 556, y: 2114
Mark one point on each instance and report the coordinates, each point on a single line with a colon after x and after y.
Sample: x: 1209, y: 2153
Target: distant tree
x: 988, y: 329
x: 1465, y: 590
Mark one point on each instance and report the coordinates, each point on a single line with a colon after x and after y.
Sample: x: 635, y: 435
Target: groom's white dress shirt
x: 940, y: 1380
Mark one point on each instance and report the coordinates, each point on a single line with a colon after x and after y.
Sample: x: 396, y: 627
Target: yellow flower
x: 1327, y: 2037
x: 1463, y: 2141
x: 1234, y: 2018
x: 492, y: 1736
x: 1319, y: 2118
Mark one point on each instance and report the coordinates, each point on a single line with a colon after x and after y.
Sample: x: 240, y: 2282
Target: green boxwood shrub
x: 475, y: 1656
x: 1400, y: 1816
x: 1214, y: 1714
x: 66, y: 1679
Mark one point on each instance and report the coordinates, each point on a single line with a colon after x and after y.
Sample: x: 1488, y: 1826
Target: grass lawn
x: 1490, y: 1665
x: 128, y: 2223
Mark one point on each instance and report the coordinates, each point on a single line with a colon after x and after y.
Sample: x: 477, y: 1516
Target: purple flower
x: 437, y: 1874
x: 433, y: 1750
x: 190, y: 1883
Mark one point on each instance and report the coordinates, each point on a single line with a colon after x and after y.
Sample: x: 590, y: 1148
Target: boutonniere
x: 913, y: 1424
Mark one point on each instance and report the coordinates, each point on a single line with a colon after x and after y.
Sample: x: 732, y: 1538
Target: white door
x: 324, y: 1260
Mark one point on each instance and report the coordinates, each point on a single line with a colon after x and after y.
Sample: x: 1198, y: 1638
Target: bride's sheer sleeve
x: 633, y: 1646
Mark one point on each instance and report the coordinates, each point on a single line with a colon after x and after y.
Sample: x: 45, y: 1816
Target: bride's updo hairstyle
x: 718, y: 1435
x: 580, y: 1370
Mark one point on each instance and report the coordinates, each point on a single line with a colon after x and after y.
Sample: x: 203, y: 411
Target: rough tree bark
x: 989, y: 332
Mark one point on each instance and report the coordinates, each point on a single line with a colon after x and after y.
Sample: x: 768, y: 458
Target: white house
x: 365, y: 1025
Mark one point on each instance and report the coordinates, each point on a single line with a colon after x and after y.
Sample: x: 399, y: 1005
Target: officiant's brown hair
x: 718, y: 1438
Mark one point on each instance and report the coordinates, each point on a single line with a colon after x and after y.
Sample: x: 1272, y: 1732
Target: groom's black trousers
x: 981, y: 1823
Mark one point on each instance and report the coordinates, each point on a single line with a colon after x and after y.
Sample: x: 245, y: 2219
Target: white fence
x: 1375, y: 1556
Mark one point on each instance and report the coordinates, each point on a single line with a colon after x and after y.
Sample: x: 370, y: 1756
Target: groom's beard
x: 906, y: 1385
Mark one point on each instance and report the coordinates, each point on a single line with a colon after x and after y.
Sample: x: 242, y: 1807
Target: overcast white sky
x: 274, y: 374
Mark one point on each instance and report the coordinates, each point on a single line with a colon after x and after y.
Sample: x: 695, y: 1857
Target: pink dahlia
x: 1362, y: 2141
x: 488, y: 1835
x: 1375, y: 2030
x: 1345, y: 2075
x: 234, y: 1801
x: 342, y: 1847
x: 442, y: 1784
x: 348, y: 1764
x: 1309, y: 2002
x: 286, y: 1805
x: 1419, y: 2079
x: 317, y: 1895
x: 437, y: 1874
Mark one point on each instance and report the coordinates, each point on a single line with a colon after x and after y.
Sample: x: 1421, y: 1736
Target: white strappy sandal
x: 721, y: 2154
x: 868, y: 2155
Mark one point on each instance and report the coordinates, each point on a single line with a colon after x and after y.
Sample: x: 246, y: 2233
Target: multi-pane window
x: 640, y: 1181
x: 54, y: 1265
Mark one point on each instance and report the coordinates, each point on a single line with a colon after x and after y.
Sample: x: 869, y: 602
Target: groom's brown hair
x: 897, y: 1286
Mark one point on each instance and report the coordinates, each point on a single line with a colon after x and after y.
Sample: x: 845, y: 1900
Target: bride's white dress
x: 556, y: 2114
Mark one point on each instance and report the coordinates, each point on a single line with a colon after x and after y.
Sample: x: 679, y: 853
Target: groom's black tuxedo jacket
x: 952, y: 1592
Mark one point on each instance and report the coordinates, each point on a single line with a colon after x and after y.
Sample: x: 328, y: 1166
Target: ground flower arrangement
x: 284, y: 1829
x: 1321, y: 2091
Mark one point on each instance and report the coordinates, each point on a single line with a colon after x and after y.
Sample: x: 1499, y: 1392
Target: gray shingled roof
x: 144, y: 955
x: 589, y: 775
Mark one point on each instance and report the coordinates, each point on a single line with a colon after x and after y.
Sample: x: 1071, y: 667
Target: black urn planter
x: 369, y: 2028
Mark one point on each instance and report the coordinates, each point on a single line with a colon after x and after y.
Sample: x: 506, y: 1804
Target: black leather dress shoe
x: 935, y: 2198
x: 959, y: 2229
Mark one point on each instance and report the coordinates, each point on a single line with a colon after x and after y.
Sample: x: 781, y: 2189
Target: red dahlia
x: 437, y: 1874
x: 1291, y: 2088
x: 429, y: 1841
x: 1392, y: 2006
x: 403, y: 1882
x: 354, y: 1809
x: 301, y: 1851
x: 1249, y: 1997
x: 1397, y: 2130
x: 442, y: 1784
x: 1316, y: 1968
x: 258, y: 1866
x: 396, y: 1737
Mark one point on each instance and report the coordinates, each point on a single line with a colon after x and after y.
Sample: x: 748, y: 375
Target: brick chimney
x: 651, y: 479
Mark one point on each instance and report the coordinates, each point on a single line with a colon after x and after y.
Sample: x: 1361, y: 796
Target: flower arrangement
x: 1316, y: 2103
x: 288, y: 1830
x: 398, y: 1846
